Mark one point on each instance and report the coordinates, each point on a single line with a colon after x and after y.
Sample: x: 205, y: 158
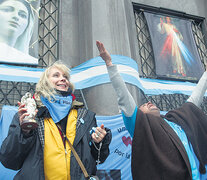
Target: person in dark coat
x: 43, y: 152
x: 163, y: 147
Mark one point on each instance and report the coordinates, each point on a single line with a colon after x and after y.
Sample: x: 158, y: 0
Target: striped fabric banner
x: 93, y: 72
x: 19, y: 74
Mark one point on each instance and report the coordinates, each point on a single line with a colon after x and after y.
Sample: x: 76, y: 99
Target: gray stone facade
x: 82, y: 22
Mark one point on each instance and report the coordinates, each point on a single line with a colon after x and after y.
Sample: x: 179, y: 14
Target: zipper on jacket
x: 64, y: 144
x: 66, y: 162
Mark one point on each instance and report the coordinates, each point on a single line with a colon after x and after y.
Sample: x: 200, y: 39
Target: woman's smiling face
x: 13, y: 17
x: 59, y: 80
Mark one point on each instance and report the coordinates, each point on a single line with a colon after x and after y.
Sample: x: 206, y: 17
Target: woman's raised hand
x: 104, y: 53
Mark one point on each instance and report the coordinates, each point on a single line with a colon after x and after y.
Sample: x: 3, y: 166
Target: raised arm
x: 199, y: 91
x: 16, y: 146
x: 125, y: 100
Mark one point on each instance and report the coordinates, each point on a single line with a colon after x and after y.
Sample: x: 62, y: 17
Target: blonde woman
x: 43, y: 153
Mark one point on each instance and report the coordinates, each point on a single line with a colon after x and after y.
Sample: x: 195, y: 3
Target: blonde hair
x: 45, y: 88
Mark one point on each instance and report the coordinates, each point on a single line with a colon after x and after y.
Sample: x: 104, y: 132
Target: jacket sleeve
x: 125, y: 100
x: 199, y: 91
x: 16, y: 145
x: 103, y: 146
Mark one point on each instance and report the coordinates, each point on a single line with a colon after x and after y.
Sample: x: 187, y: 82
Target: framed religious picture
x: 175, y: 52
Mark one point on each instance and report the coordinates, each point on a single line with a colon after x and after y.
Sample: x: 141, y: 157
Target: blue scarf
x: 58, y: 107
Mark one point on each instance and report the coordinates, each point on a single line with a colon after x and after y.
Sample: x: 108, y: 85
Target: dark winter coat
x: 24, y: 152
x: 158, y: 153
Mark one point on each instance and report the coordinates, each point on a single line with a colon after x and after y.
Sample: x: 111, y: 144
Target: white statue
x: 30, y: 104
